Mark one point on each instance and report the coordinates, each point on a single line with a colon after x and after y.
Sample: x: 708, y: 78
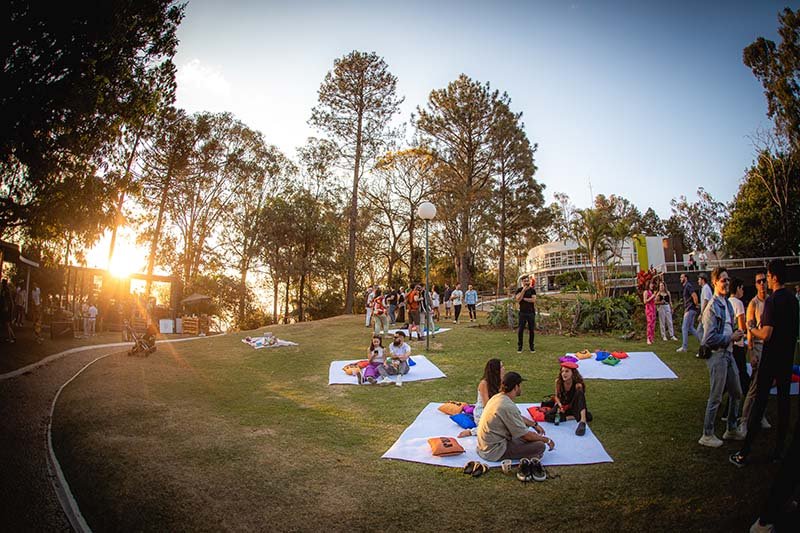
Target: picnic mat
x: 262, y: 342
x: 638, y: 365
x: 422, y: 370
x: 422, y: 334
x: 794, y: 388
x: 413, y: 443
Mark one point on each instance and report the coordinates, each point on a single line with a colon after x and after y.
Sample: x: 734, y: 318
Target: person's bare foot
x: 465, y: 433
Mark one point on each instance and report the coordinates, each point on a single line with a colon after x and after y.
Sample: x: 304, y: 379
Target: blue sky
x: 648, y: 100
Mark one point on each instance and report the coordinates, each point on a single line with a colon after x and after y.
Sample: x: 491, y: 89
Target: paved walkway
x: 29, y: 502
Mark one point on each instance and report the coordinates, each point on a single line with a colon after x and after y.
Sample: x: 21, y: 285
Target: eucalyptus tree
x: 357, y: 100
x: 457, y: 125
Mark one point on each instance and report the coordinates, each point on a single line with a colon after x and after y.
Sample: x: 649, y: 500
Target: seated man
x: 503, y: 433
x: 397, y: 364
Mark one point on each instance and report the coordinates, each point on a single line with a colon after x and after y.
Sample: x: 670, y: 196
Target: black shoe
x: 469, y: 468
x: 581, y: 431
x: 738, y: 459
x: 533, y: 350
x: 537, y: 471
x: 524, y: 470
x: 360, y: 378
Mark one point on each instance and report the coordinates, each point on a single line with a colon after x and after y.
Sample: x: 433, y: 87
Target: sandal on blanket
x: 480, y: 469
x: 469, y: 468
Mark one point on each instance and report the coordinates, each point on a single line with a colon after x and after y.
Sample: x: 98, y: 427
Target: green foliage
x: 701, y: 221
x: 555, y: 315
x: 502, y: 313
x: 607, y: 314
x: 573, y: 281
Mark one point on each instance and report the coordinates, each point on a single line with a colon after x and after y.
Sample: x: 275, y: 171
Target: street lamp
x: 427, y: 211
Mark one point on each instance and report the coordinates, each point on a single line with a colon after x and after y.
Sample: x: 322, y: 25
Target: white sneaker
x: 681, y: 349
x: 758, y: 528
x: 742, y: 430
x: 765, y: 423
x: 735, y: 434
x: 674, y: 338
x: 384, y: 381
x: 664, y: 339
x: 399, y: 381
x: 710, y: 440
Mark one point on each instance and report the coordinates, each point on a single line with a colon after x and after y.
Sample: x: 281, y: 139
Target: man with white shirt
x: 397, y: 365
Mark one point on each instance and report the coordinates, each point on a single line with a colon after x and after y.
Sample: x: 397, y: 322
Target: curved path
x: 28, y: 501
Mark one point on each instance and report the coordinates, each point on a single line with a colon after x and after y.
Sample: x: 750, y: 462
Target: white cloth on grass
x: 263, y: 342
x: 422, y: 334
x: 638, y: 365
x: 413, y: 443
x: 422, y: 370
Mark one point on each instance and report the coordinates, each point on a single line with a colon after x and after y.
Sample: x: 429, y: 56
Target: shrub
x: 607, y: 314
x: 504, y: 314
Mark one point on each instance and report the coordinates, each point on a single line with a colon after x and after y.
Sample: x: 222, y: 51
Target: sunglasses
x: 762, y: 280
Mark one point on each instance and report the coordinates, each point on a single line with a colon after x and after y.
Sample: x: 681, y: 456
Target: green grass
x: 212, y: 435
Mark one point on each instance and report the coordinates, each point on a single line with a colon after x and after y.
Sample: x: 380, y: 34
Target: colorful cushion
x: 584, y: 354
x: 411, y: 362
x: 469, y: 409
x: 452, y: 408
x: 444, y: 446
x: 620, y: 355
x: 569, y: 364
x: 795, y: 378
x: 568, y: 358
x: 464, y: 420
x: 537, y: 413
x: 611, y: 361
x: 601, y: 355
x: 351, y: 369
x: 363, y: 364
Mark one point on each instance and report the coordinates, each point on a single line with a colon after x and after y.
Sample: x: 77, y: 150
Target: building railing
x: 748, y: 262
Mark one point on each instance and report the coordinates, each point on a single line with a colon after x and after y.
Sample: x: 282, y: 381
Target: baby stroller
x: 144, y: 344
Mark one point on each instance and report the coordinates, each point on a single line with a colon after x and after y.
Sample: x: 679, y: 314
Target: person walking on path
x: 689, y: 313
x: 664, y: 310
x: 471, y: 299
x: 649, y: 299
x: 720, y: 333
x: 779, y: 325
x: 526, y: 298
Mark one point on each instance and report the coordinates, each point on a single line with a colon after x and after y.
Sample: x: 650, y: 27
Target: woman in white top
x: 739, y: 349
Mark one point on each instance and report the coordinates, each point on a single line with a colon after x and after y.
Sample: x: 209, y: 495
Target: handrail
x: 747, y: 262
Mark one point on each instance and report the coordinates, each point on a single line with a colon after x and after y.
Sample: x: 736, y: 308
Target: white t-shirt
x: 456, y: 297
x: 705, y: 296
x: 738, y: 310
x: 36, y: 296
x: 401, y: 352
x: 378, y: 358
x: 92, y: 312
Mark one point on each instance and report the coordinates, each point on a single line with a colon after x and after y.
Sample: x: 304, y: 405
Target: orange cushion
x: 584, y: 354
x: 537, y: 413
x: 443, y: 446
x: 620, y: 355
x: 452, y: 408
x: 352, y: 369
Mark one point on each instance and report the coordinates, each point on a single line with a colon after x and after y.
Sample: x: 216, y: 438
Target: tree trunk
x: 351, y: 246
x: 300, y: 297
x: 275, y: 286
x: 121, y: 200
x: 501, y: 267
x: 286, y: 301
x: 242, y: 293
x: 464, y: 276
x: 412, y: 251
x: 157, y: 232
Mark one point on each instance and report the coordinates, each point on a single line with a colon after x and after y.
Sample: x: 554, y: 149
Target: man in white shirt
x: 92, y: 320
x: 368, y: 304
x: 706, y: 294
x: 399, y: 352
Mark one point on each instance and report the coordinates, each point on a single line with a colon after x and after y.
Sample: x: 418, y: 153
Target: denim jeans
x: 722, y: 375
x: 687, y: 328
x: 392, y: 317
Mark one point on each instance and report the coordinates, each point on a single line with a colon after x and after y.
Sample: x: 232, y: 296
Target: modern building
x: 547, y: 261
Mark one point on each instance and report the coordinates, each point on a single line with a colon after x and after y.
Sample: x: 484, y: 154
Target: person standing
x: 456, y: 297
x: 447, y: 305
x: 36, y: 302
x: 92, y: 314
x: 720, y: 333
x: 779, y: 325
x: 649, y: 299
x: 379, y: 314
x: 21, y: 300
x: 471, y: 299
x: 390, y: 300
x: 755, y: 309
x: 435, y: 302
x: 664, y: 311
x: 412, y: 303
x: 526, y: 297
x: 368, y: 304
x: 7, y: 312
x: 401, y: 306
x: 739, y: 350
x: 706, y: 294
x: 689, y: 313
x: 692, y: 264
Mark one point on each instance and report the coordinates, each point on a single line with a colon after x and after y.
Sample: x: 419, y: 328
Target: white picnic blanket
x: 263, y: 342
x: 421, y: 334
x: 422, y: 370
x: 794, y: 389
x: 638, y: 365
x: 413, y: 443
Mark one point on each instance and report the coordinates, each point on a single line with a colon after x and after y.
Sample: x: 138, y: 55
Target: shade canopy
x: 195, y: 298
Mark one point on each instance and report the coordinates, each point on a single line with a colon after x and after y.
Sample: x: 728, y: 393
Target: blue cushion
x: 411, y: 362
x: 463, y: 420
x: 602, y: 355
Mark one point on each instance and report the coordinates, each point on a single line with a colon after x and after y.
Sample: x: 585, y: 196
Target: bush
x: 555, y: 314
x: 504, y: 314
x: 607, y: 314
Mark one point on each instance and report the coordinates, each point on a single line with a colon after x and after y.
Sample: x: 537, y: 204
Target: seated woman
x: 570, y: 397
x: 493, y: 374
x: 376, y: 359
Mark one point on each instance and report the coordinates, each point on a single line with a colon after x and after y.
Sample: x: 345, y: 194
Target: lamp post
x: 427, y: 211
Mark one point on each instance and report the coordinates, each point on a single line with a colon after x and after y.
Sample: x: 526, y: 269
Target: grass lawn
x: 213, y: 435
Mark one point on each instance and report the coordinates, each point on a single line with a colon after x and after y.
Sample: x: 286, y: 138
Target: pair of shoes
x: 531, y: 470
x: 733, y: 434
x: 581, y: 431
x: 758, y: 528
x: 476, y: 468
x: 681, y: 349
x: 710, y: 440
x: 765, y: 423
x: 738, y: 459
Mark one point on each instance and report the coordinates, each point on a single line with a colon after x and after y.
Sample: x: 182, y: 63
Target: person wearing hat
x: 503, y: 433
x: 570, y: 396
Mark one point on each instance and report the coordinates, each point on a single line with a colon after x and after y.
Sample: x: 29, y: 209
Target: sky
x: 647, y: 100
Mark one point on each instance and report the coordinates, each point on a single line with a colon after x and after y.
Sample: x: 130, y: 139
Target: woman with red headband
x: 570, y: 397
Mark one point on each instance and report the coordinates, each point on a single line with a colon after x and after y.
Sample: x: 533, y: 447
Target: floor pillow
x: 452, y: 408
x: 464, y: 420
x: 444, y: 446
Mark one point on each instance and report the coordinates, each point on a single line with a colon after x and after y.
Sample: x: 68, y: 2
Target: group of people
x: 414, y: 307
x: 13, y: 305
x: 381, y: 364
x: 770, y: 326
x: 504, y: 433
